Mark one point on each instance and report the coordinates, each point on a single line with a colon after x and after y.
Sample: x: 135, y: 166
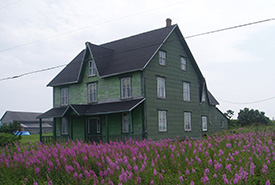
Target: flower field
x: 224, y: 158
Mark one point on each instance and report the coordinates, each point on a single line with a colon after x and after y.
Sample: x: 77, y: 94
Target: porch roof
x: 94, y: 109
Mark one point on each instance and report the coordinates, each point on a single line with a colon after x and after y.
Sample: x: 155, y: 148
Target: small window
x: 186, y: 91
x: 126, y: 89
x: 222, y: 124
x: 162, y: 120
x: 204, y: 123
x: 92, y: 68
x: 183, y: 63
x: 203, y: 98
x: 187, y: 121
x: 64, y: 126
x: 162, y: 58
x: 125, y: 123
x: 161, y: 87
x: 92, y: 92
x: 64, y: 96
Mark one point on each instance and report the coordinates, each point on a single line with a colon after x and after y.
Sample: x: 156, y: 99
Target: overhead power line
x: 244, y: 103
x: 192, y: 36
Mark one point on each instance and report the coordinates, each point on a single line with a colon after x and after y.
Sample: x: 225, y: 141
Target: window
x: 187, y: 121
x: 186, y: 91
x: 92, y: 68
x: 203, y: 98
x: 222, y: 124
x: 64, y: 126
x: 92, y: 92
x: 94, y: 126
x: 64, y: 96
x: 204, y: 123
x: 125, y: 123
x: 162, y: 58
x: 183, y: 63
x: 162, y: 120
x: 126, y: 89
x: 161, y: 87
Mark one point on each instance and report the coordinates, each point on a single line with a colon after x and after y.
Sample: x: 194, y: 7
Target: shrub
x: 11, y: 127
x: 7, y: 138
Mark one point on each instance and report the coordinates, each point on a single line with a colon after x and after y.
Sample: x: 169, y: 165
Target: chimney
x: 168, y: 22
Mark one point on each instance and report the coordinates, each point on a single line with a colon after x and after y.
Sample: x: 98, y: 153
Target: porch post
x: 130, y: 123
x: 54, y: 129
x: 72, y: 131
x: 107, y: 128
x: 40, y: 129
x: 85, y: 128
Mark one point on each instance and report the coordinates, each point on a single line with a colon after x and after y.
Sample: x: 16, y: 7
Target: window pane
x: 125, y: 123
x: 161, y: 87
x: 187, y: 121
x: 64, y: 123
x: 183, y: 63
x: 92, y: 68
x: 64, y: 96
x: 204, y: 123
x: 126, y: 89
x: 92, y: 92
x: 186, y: 91
x: 162, y: 120
x: 162, y: 58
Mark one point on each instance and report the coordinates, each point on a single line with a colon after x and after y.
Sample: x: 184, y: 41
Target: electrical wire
x: 244, y: 103
x: 192, y: 36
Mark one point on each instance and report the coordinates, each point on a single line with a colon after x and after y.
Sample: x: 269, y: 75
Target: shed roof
x: 11, y: 116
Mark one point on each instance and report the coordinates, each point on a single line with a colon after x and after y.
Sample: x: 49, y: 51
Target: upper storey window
x: 162, y: 58
x: 92, y: 68
x: 183, y: 63
x: 64, y: 96
x: 126, y: 89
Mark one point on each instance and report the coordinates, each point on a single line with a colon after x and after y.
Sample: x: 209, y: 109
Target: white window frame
x: 92, y: 92
x: 162, y: 120
x: 64, y: 96
x: 162, y: 58
x: 183, y: 63
x: 125, y: 122
x: 204, y: 123
x: 64, y: 126
x: 92, y: 68
x: 186, y: 91
x: 161, y: 89
x: 125, y: 87
x: 187, y: 121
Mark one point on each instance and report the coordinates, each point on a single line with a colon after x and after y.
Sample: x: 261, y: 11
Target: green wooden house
x: 147, y: 85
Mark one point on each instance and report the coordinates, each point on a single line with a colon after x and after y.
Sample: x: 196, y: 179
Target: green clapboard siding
x: 174, y: 104
x: 78, y: 128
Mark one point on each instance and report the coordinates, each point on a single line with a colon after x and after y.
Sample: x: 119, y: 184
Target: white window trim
x: 92, y: 92
x: 162, y: 120
x: 204, y: 123
x: 186, y: 91
x: 64, y: 126
x: 161, y: 87
x: 187, y: 121
x: 64, y: 96
x: 92, y: 68
x: 125, y: 123
x: 162, y: 58
x: 183, y: 63
x: 126, y: 88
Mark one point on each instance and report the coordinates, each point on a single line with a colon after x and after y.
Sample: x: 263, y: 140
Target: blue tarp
x: 22, y: 133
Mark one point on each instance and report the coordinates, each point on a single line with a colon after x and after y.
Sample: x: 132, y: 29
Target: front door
x: 94, y: 129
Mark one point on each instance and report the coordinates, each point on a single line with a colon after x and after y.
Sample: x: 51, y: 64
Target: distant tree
x: 247, y: 117
x: 229, y: 114
x: 11, y: 127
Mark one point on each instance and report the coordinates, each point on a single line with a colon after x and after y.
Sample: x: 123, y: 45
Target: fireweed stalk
x: 243, y: 158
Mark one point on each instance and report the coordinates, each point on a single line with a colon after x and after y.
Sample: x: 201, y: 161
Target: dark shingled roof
x: 94, y: 109
x: 117, y: 57
x: 23, y: 117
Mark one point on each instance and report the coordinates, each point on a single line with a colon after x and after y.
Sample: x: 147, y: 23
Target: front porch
x: 106, y: 122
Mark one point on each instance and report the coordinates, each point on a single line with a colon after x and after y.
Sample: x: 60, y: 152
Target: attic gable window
x: 92, y: 68
x: 162, y: 58
x: 126, y: 88
x: 203, y: 97
x: 64, y: 96
x: 183, y: 63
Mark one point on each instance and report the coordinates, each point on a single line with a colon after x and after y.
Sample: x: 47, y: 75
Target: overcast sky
x: 238, y: 64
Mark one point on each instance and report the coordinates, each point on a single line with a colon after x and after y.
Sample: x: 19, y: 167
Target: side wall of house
x: 173, y: 103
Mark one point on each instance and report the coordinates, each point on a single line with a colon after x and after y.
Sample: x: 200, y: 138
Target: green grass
x: 34, y: 138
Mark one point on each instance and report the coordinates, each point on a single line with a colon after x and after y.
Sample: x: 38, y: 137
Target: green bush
x: 11, y: 127
x: 7, y: 138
